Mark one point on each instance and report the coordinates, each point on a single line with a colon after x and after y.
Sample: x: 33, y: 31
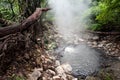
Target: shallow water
x: 83, y: 59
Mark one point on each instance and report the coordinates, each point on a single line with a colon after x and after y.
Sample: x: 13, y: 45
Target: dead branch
x: 24, y: 25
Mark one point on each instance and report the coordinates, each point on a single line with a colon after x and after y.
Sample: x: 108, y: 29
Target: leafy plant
x: 105, y: 12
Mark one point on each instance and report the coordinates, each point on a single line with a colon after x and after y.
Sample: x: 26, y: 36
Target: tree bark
x: 24, y: 25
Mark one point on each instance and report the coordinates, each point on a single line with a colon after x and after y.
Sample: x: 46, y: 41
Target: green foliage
x: 95, y: 27
x: 105, y: 12
x: 9, y: 9
x: 15, y: 77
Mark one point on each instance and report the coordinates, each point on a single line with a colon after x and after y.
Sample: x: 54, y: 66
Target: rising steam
x: 69, y: 16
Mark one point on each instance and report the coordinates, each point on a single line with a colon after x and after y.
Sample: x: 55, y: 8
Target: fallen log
x: 24, y: 25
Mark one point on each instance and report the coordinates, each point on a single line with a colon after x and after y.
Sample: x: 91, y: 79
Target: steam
x: 69, y: 16
x: 70, y: 20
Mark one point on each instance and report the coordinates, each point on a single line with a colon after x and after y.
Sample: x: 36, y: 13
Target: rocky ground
x: 39, y: 65
x: 110, y: 46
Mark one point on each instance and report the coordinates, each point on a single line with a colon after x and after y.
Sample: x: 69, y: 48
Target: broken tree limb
x: 24, y: 25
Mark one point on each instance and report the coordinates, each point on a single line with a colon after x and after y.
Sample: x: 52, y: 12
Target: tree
x: 107, y: 13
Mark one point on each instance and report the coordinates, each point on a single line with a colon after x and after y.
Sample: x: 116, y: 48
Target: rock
x: 94, y: 44
x: 38, y: 50
x: 67, y: 67
x: 103, y: 42
x: 52, y: 57
x: 63, y: 76
x: 91, y: 78
x: 80, y: 39
x: 45, y: 66
x: 38, y: 60
x: 59, y: 70
x: 56, y: 78
x: 118, y: 58
x: 95, y: 38
x: 100, y: 45
x: 48, y: 61
x: 46, y: 76
x: 69, y: 77
x: 57, y: 63
x: 109, y: 44
x: 75, y: 79
x: 69, y: 49
x: 51, y: 72
x: 27, y: 56
x: 35, y: 75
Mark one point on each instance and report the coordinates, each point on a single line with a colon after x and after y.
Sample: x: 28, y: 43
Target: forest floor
x: 39, y: 65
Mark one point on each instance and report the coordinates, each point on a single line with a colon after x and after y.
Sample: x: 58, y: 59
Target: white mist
x: 69, y: 17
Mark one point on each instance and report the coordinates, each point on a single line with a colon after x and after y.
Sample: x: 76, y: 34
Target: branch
x: 24, y: 25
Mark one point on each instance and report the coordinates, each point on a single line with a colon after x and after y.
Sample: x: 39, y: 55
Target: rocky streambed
x: 91, y: 57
